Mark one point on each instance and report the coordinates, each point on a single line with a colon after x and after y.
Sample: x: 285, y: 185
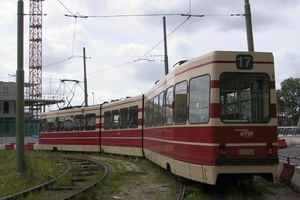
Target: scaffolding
x: 35, y: 56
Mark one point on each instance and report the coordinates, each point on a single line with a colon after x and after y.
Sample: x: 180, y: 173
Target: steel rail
x: 104, y: 166
x: 182, y: 191
x: 36, y: 188
x: 48, y: 184
x: 243, y: 190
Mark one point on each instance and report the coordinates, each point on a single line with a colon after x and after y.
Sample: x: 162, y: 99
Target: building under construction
x: 8, y: 112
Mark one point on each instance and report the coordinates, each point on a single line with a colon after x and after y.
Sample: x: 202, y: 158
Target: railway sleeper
x: 65, y: 188
x: 86, y: 163
x: 75, y: 180
x: 86, y: 173
x: 92, y: 167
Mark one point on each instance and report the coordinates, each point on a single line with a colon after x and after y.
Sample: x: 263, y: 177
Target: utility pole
x: 166, y: 51
x: 20, y: 90
x: 85, y: 79
x: 93, y: 98
x: 249, y: 26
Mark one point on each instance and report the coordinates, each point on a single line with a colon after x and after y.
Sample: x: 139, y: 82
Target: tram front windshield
x: 245, y: 97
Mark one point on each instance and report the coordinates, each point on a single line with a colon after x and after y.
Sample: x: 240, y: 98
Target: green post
x: 165, y: 44
x: 249, y: 26
x: 85, y: 79
x: 20, y: 92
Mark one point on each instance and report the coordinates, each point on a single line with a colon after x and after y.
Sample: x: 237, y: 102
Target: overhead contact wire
x: 163, y: 39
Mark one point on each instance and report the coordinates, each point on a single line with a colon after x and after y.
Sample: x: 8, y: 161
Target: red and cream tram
x: 121, y: 127
x: 71, y: 129
x: 212, y: 116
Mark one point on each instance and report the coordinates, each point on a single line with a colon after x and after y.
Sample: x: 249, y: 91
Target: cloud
x: 286, y: 62
x: 114, y: 43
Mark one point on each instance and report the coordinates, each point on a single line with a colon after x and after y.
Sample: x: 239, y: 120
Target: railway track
x: 81, y: 175
x: 227, y: 189
x: 244, y: 190
x: 181, y: 191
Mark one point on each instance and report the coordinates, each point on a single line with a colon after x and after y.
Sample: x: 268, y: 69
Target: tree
x: 280, y: 104
x: 288, y: 99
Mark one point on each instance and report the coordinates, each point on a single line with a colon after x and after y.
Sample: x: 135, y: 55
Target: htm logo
x: 245, y: 133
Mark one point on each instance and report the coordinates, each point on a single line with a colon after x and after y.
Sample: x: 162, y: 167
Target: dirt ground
x: 282, y: 193
x: 143, y: 187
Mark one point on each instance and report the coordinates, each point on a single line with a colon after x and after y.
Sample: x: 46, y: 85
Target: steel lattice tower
x: 35, y: 56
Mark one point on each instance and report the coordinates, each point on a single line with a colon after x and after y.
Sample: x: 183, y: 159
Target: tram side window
x: 69, y: 123
x: 56, y: 124
x: 79, y: 122
x: 107, y: 120
x: 133, y: 116
x: 50, y: 124
x: 161, y: 117
x: 180, y: 103
x: 60, y: 123
x: 169, y: 106
x: 199, y: 99
x: 147, y: 114
x: 90, y: 121
x: 155, y: 111
x: 123, y: 118
x: 115, y: 119
x: 150, y: 114
x: 43, y: 126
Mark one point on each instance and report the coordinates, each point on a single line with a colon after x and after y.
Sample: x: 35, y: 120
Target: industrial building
x: 8, y: 113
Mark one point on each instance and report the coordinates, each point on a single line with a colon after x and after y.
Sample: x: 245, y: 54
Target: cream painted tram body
x: 210, y: 117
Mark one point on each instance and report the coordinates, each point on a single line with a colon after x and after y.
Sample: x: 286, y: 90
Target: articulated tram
x: 211, y: 116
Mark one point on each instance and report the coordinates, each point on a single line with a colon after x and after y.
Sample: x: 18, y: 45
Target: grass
x: 40, y: 167
x: 261, y: 186
x: 147, y: 180
x: 43, y: 166
x: 65, y: 181
x: 148, y: 177
x: 194, y: 192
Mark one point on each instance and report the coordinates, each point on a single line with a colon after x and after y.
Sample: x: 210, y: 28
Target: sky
x: 123, y: 41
